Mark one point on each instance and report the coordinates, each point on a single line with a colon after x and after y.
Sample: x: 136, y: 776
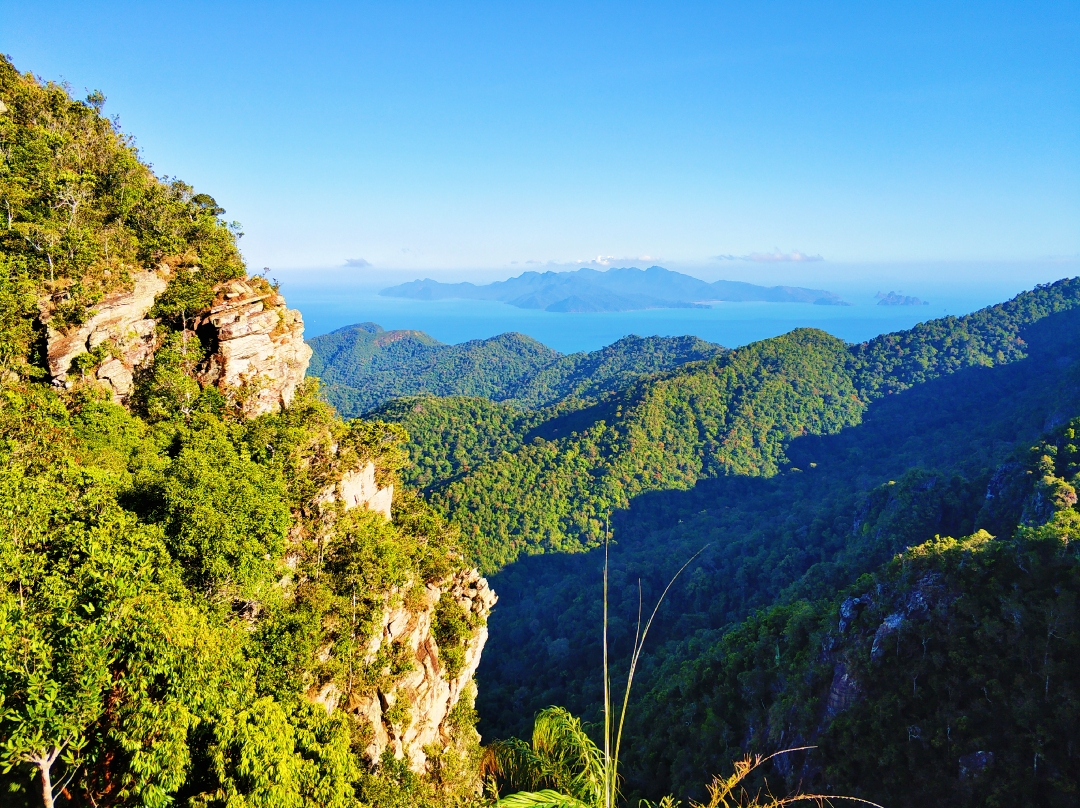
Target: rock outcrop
x: 357, y: 488
x: 255, y: 344
x: 413, y: 711
x: 121, y: 320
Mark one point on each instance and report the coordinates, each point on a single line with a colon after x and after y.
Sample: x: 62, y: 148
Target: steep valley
x: 800, y: 518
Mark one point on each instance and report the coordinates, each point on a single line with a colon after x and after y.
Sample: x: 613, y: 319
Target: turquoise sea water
x: 333, y: 298
x: 729, y: 324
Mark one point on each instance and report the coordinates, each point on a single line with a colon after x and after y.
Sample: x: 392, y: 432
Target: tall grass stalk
x: 563, y: 768
x: 612, y: 762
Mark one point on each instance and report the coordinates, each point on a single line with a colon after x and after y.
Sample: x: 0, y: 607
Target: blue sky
x: 465, y: 136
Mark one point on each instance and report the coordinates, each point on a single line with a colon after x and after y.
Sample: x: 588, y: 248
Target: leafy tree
x: 80, y: 212
x: 224, y: 516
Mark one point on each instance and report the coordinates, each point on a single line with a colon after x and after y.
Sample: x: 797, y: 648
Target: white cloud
x: 770, y: 258
x: 776, y: 255
x: 611, y: 260
x: 358, y: 263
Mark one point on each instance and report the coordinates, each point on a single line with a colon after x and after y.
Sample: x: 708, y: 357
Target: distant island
x: 897, y: 299
x: 623, y: 289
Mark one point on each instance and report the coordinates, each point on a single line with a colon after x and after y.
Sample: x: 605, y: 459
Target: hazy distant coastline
x: 617, y: 289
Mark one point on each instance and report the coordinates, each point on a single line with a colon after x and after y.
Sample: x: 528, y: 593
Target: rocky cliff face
x: 413, y: 712
x: 256, y: 355
x: 410, y: 712
x: 357, y: 488
x: 121, y: 320
x: 255, y: 344
x: 256, y: 352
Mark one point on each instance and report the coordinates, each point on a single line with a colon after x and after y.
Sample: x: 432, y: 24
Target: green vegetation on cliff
x: 80, y: 212
x: 150, y: 651
x: 176, y: 584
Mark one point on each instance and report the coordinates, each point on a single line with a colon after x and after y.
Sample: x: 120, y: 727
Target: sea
x: 332, y: 299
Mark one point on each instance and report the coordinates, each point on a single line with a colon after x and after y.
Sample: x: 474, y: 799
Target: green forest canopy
x: 801, y: 514
x: 363, y: 366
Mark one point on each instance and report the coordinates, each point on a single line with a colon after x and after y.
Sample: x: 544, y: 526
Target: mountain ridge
x: 216, y: 591
x: 615, y: 289
x: 918, y: 425
x: 364, y: 367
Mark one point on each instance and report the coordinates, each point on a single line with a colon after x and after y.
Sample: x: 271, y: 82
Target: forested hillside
x: 803, y: 463
x: 193, y: 596
x: 946, y: 678
x: 557, y: 482
x: 918, y: 464
x: 362, y: 366
x: 558, y: 492
x: 216, y: 592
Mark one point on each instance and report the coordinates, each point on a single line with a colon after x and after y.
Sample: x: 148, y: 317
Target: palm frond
x: 514, y: 765
x: 573, y: 763
x: 547, y: 798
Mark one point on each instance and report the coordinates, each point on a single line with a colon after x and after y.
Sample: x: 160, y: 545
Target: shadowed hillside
x: 917, y: 465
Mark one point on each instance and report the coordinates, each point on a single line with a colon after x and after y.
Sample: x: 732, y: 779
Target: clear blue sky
x: 477, y: 135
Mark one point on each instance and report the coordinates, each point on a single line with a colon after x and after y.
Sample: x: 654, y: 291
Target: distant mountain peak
x: 616, y: 289
x: 897, y: 299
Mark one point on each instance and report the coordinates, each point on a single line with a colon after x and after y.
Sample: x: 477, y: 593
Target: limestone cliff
x: 122, y: 322
x: 409, y: 712
x: 357, y: 487
x: 255, y: 346
x: 255, y: 354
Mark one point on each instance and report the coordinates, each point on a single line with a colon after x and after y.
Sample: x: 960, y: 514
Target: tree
x: 73, y: 563
x: 224, y: 516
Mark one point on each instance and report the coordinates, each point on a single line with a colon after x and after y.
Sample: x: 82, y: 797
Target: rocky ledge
x: 122, y: 320
x: 255, y: 346
x: 358, y: 488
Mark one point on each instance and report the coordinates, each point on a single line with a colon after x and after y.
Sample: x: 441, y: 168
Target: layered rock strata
x: 121, y: 320
x: 256, y: 352
x: 256, y: 346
